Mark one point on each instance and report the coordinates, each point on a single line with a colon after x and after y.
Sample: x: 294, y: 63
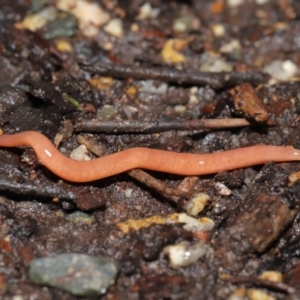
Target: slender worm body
x: 144, y: 158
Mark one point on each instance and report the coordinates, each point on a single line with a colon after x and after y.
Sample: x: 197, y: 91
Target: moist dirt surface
x: 182, y: 76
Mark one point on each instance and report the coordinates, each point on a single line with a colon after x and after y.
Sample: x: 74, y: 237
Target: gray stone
x: 78, y: 274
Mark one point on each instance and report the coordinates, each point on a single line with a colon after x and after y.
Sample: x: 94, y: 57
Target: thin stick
x: 96, y: 125
x: 191, y: 77
x: 158, y: 185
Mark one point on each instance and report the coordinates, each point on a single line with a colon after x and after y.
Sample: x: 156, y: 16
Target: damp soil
x: 138, y: 84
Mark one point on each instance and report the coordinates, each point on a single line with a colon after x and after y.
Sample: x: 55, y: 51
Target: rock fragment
x: 78, y: 274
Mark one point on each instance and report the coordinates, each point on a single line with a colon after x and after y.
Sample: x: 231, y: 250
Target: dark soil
x: 57, y: 80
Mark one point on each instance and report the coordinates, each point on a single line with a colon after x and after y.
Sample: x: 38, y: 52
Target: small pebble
x: 238, y: 294
x: 180, y: 108
x: 218, y: 30
x: 234, y: 3
x: 233, y: 45
x: 281, y: 70
x: 271, y: 276
x: 78, y: 274
x: 128, y: 193
x: 79, y: 217
x: 80, y: 153
x: 261, y: 2
x: 63, y: 46
x: 222, y: 189
x: 256, y: 294
x: 63, y: 26
x: 213, y: 63
x: 196, y: 204
x: 183, y: 254
x: 183, y: 24
x: 17, y: 297
x: 170, y: 53
x: 89, y: 14
x: 106, y: 112
x: 114, y: 28
x: 36, y: 21
x: 146, y: 11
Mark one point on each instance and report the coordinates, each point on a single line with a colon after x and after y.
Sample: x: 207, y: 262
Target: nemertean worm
x: 144, y: 158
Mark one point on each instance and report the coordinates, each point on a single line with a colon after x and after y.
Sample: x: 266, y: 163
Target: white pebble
x: 233, y: 45
x: 146, y: 11
x: 261, y: 2
x: 218, y: 29
x: 89, y: 14
x: 184, y: 254
x: 128, y: 193
x: 215, y: 64
x: 80, y: 153
x: 222, y: 189
x: 114, y: 28
x: 234, y: 3
x: 281, y: 70
x: 180, y: 108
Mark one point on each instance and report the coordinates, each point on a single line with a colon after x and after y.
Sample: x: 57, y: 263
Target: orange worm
x: 144, y: 158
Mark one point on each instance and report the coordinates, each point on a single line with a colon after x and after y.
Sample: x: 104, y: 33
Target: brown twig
x: 190, y: 77
x: 159, y: 186
x: 96, y: 125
